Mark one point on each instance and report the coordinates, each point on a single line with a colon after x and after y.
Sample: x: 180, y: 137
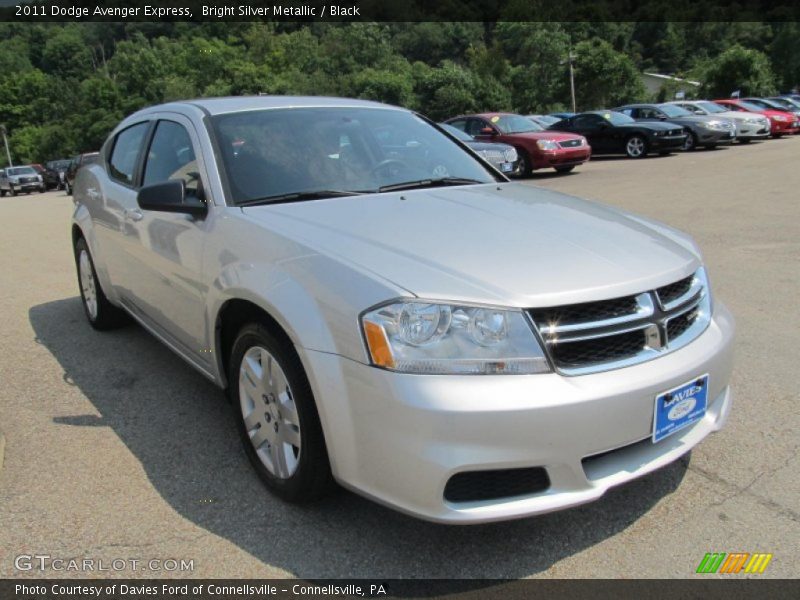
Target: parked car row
x: 562, y: 141
x: 54, y: 174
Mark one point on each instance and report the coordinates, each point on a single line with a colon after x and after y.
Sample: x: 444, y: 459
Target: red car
x: 781, y: 123
x: 538, y: 148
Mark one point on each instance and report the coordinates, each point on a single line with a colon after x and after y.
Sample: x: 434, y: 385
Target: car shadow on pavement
x: 181, y: 429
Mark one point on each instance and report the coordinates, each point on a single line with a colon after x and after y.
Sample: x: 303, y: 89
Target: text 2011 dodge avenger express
x: 388, y: 311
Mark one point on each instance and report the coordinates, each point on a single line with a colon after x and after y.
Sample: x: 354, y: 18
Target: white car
x: 749, y: 125
x: 388, y: 311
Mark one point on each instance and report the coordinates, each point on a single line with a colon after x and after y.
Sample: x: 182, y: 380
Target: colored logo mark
x: 735, y: 562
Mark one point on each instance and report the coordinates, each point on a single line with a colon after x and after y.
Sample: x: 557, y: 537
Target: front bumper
x: 27, y: 187
x: 716, y: 137
x: 562, y: 157
x: 399, y: 438
x: 671, y: 142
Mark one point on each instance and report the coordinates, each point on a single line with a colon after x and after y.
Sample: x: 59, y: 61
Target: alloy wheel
x: 269, y: 412
x: 88, y: 286
x: 635, y: 147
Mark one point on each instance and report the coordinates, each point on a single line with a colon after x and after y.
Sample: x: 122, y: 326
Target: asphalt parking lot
x: 116, y: 449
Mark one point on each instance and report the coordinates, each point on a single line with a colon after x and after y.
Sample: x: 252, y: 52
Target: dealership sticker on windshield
x: 679, y: 407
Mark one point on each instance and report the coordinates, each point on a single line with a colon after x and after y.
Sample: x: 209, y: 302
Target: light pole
x: 5, y: 141
x: 572, y: 79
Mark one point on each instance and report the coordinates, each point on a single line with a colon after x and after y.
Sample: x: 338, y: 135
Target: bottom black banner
x: 467, y: 589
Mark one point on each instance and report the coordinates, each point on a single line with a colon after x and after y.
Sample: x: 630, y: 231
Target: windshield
x: 295, y: 152
x: 785, y: 103
x: 509, y: 124
x: 616, y: 118
x: 674, y: 111
x: 544, y: 119
x: 20, y: 171
x: 456, y: 132
x: 710, y: 107
x: 751, y: 107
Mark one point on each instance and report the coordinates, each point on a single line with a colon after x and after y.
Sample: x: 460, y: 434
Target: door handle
x: 93, y: 193
x: 133, y: 214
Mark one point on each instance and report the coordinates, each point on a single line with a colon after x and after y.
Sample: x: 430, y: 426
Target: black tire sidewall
x: 312, y: 476
x: 108, y: 315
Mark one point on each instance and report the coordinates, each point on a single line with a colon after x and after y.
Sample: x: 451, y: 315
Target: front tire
x: 636, y: 147
x: 13, y: 191
x: 565, y: 169
x: 101, y: 314
x: 277, y: 416
x: 690, y: 143
x: 68, y: 188
x: 745, y: 140
x: 524, y: 168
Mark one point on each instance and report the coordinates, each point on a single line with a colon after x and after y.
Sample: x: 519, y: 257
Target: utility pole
x: 572, y: 79
x: 5, y: 141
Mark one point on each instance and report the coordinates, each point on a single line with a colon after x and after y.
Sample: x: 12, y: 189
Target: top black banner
x: 400, y: 10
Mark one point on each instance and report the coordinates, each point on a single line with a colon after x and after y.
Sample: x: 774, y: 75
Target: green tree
x: 604, y: 77
x: 739, y: 68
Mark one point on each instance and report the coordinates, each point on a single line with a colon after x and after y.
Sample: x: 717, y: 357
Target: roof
x: 230, y: 104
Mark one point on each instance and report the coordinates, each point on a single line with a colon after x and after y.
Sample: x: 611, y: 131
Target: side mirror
x: 487, y: 131
x: 662, y: 117
x: 170, y: 196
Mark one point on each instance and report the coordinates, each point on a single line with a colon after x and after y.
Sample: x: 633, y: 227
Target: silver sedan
x: 387, y: 311
x: 749, y: 126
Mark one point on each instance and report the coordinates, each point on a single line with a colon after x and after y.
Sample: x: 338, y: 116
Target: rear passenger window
x: 126, y: 150
x: 171, y: 156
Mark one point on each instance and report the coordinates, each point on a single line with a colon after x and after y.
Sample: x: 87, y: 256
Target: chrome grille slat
x: 609, y: 334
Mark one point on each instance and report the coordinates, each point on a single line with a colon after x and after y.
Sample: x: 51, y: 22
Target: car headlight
x: 415, y: 336
x: 781, y: 118
x: 547, y: 144
x: 510, y: 155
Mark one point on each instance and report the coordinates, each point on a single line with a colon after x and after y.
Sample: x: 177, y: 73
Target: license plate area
x: 680, y: 407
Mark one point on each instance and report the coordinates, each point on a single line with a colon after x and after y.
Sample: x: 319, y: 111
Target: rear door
x: 114, y: 208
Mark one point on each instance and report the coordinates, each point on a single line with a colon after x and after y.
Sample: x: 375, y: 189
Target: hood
x: 654, y: 125
x: 489, y: 146
x: 739, y: 115
x: 509, y: 244
x: 549, y: 134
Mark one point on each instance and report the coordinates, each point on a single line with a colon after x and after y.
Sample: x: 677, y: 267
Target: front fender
x: 315, y: 299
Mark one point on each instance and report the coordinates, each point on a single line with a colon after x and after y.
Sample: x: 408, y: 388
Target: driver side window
x: 588, y: 122
x: 171, y: 156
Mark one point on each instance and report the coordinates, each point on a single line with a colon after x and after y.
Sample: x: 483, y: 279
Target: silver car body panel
x: 316, y: 266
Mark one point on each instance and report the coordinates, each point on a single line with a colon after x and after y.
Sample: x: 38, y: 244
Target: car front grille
x: 570, y: 143
x: 609, y: 334
x: 476, y: 486
x: 493, y: 156
x: 27, y: 179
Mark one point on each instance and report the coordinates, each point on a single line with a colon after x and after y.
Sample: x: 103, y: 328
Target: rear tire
x: 101, y: 314
x: 277, y: 415
x: 68, y: 188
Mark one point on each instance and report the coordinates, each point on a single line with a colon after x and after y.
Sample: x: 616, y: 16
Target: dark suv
x: 57, y: 172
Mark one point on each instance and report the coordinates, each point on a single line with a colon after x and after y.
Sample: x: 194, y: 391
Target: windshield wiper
x: 299, y: 197
x: 424, y: 183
